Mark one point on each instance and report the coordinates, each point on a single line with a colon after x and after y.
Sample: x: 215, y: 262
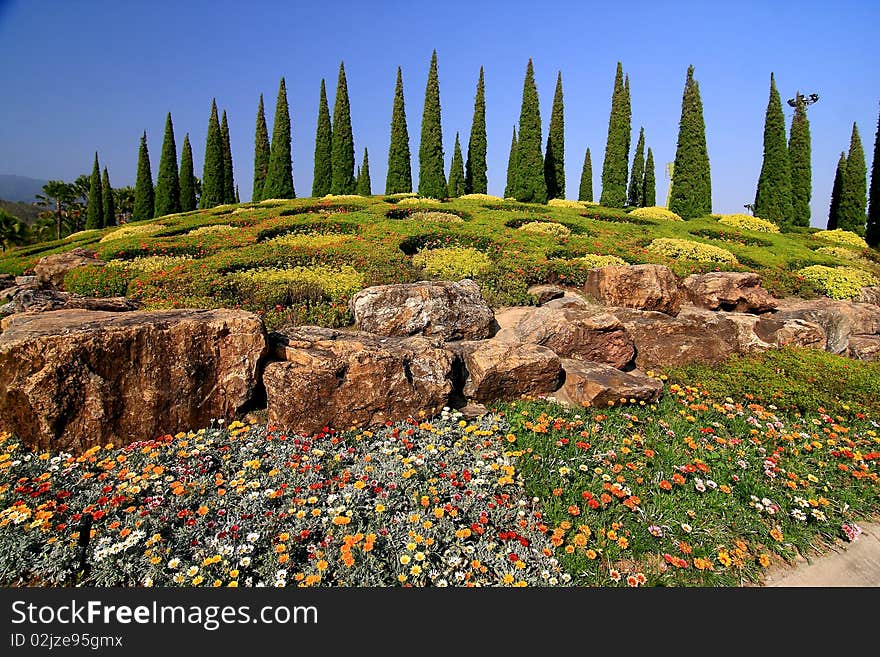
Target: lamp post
x: 808, y: 100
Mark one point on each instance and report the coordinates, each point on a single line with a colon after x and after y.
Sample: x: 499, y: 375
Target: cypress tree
x: 432, y: 179
x: 585, y: 192
x: 836, y: 191
x: 690, y: 195
x: 168, y: 183
x: 872, y: 231
x: 364, y: 185
x: 323, y: 147
x: 107, y: 198
x: 801, y: 168
x: 854, y: 191
x: 616, y: 163
x: 95, y: 216
x: 261, y: 152
x: 475, y: 178
x: 529, y: 185
x: 649, y: 183
x: 342, y: 154
x: 187, y: 177
x: 456, y: 172
x: 773, y: 197
x: 635, y: 197
x: 511, y: 166
x: 279, y: 177
x: 554, y: 158
x: 213, y: 180
x: 399, y: 176
x: 228, y: 177
x: 143, y: 187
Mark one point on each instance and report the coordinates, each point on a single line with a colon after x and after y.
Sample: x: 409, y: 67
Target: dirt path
x: 854, y: 564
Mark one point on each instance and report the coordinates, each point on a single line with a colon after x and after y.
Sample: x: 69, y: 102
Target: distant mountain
x: 20, y: 188
x: 26, y: 212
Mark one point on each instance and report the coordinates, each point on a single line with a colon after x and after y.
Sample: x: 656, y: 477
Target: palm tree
x: 59, y: 194
x: 12, y: 231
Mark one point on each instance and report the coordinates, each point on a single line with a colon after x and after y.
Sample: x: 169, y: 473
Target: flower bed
x: 550, y: 228
x: 452, y: 263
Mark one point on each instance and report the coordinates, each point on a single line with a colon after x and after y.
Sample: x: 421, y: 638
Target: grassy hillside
x: 302, y: 259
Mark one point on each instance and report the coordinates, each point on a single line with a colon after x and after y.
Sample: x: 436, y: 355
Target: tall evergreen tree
x: 168, y: 182
x: 109, y: 201
x: 801, y: 167
x: 143, y: 186
x: 635, y: 197
x: 342, y: 155
x: 585, y: 192
x: 364, y: 185
x: 261, y: 152
x: 475, y: 178
x: 529, y: 185
x: 773, y: 197
x: 228, y: 176
x: 95, y: 215
x: 690, y: 195
x: 213, y: 179
x: 649, y: 182
x: 872, y: 230
x: 836, y: 192
x: 279, y: 177
x: 432, y: 179
x: 187, y: 177
x: 511, y: 167
x: 854, y: 192
x: 616, y: 163
x: 456, y: 172
x: 399, y: 177
x: 323, y: 147
x: 554, y: 158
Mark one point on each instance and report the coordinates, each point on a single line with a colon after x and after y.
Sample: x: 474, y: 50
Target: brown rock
x: 8, y: 293
x: 643, y: 287
x: 579, y: 334
x: 733, y: 291
x: 870, y: 295
x: 545, y: 293
x: 36, y: 301
x: 71, y: 379
x: 596, y: 385
x: 51, y: 270
x: 498, y: 370
x: 839, y: 319
x: 450, y: 310
x: 864, y: 347
x: 344, y: 379
x: 790, y: 333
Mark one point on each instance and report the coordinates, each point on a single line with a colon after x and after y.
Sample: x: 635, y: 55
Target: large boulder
x: 790, y: 333
x: 446, y: 309
x: 580, y: 334
x: 497, y: 370
x: 840, y: 319
x: 342, y: 379
x: 643, y: 287
x: 726, y: 290
x: 545, y: 293
x: 864, y: 347
x: 594, y: 384
x: 72, y: 379
x: 51, y: 270
x: 28, y: 300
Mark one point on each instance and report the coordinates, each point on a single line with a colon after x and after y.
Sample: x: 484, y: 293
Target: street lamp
x: 808, y: 100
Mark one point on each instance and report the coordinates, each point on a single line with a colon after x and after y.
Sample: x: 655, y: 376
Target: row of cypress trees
x: 850, y: 195
x: 101, y: 205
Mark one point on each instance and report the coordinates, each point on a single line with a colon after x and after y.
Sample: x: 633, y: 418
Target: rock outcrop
x: 71, y: 379
x: 724, y: 290
x: 841, y: 320
x: 445, y: 309
x: 51, y: 270
x: 545, y: 293
x: 30, y: 300
x: 642, y: 287
x: 594, y: 384
x: 497, y: 370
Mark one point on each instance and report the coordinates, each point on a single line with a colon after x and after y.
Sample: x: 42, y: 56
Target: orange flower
x: 764, y: 560
x: 203, y: 510
x: 622, y: 543
x: 341, y: 520
x: 665, y: 485
x: 574, y: 510
x: 776, y: 533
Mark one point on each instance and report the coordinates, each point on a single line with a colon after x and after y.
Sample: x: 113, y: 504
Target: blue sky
x: 93, y: 75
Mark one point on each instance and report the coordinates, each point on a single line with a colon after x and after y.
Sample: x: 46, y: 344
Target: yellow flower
x: 198, y: 580
x: 405, y: 559
x: 380, y: 508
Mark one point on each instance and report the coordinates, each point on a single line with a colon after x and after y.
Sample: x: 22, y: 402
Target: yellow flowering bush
x: 308, y: 240
x: 747, y: 222
x: 840, y: 252
x: 402, y: 195
x: 131, y: 230
x: 844, y: 237
x: 452, y: 263
x: 480, y: 197
x: 335, y: 282
x: 565, y: 203
x: 595, y: 261
x: 838, y: 282
x: 217, y: 229
x: 342, y: 197
x: 435, y: 216
x: 418, y: 200
x: 678, y: 248
x: 82, y: 234
x: 546, y: 228
x: 149, y: 264
x: 655, y: 212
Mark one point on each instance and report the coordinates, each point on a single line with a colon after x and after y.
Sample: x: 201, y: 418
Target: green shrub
x: 655, y: 212
x: 216, y: 229
x: 452, y: 263
x: 424, y: 215
x: 688, y: 250
x: 595, y: 261
x: 480, y: 197
x: 98, y: 281
x: 308, y: 240
x: 412, y: 200
x: 565, y: 203
x: 747, y: 222
x: 841, y: 252
x: 83, y: 234
x: 270, y: 287
x: 132, y: 230
x: 838, y: 282
x: 550, y: 228
x: 839, y: 236
x: 150, y: 264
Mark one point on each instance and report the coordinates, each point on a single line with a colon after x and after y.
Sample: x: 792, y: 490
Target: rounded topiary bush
x: 845, y: 237
x: 452, y: 263
x: 747, y: 222
x: 838, y: 282
x: 550, y: 228
x: 565, y: 203
x: 655, y: 212
x: 678, y: 248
